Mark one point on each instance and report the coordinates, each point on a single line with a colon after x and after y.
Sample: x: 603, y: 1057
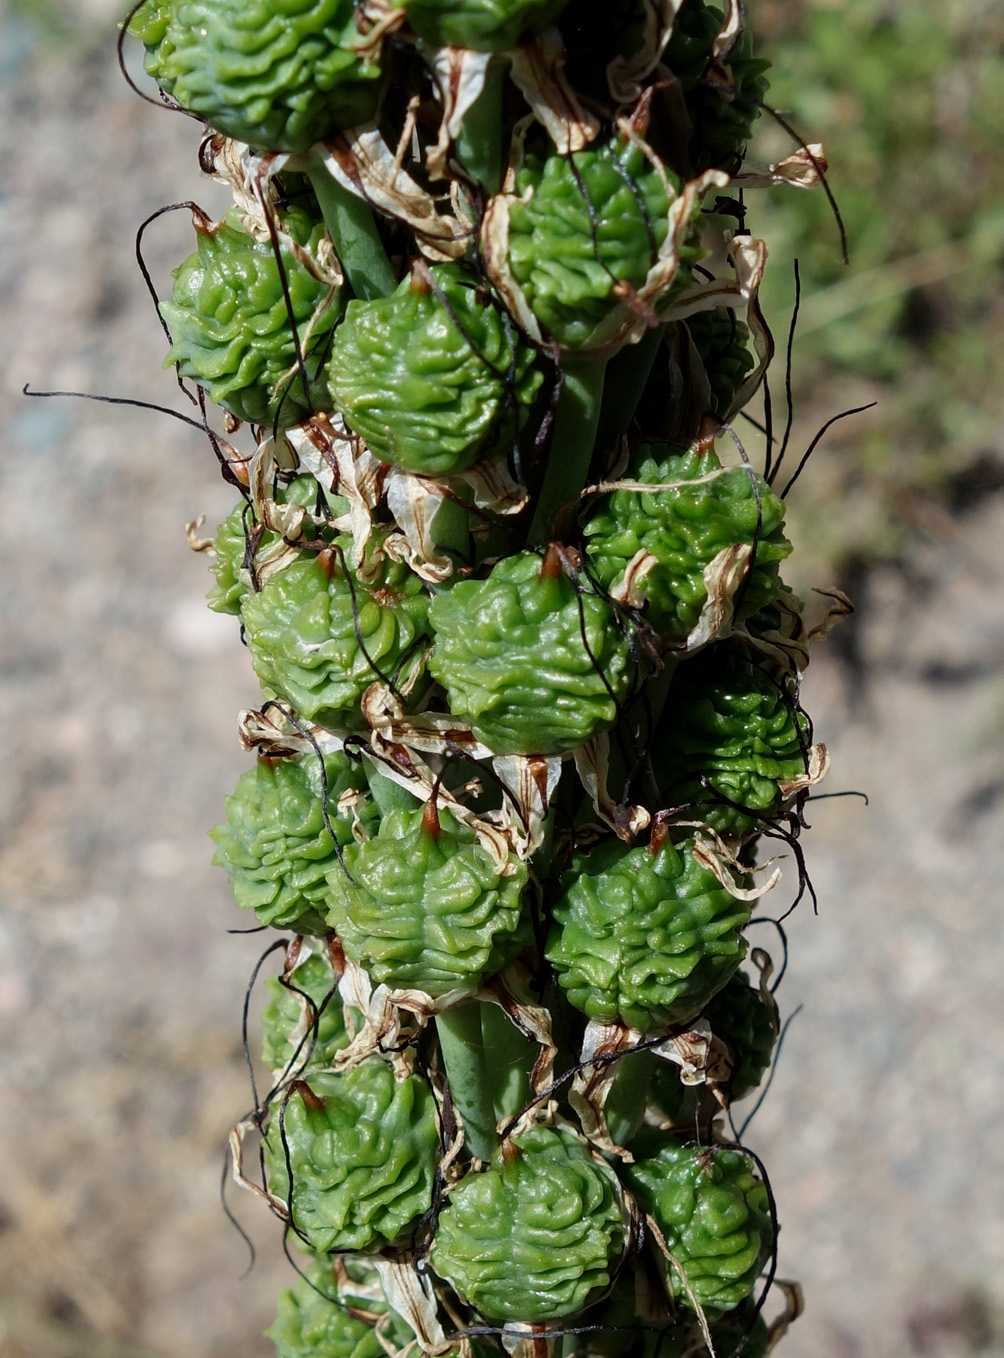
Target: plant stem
x: 462, y: 1045
x: 626, y: 378
x: 511, y: 1056
x: 625, y: 1104
x: 572, y: 444
x: 479, y: 145
x: 354, y: 235
x: 388, y: 795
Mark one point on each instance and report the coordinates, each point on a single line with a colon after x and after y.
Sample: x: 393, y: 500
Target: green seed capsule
x: 363, y: 1149
x: 313, y: 1318
x: 421, y: 906
x: 580, y: 226
x: 644, y: 939
x: 275, y: 846
x: 237, y: 535
x: 319, y: 636
x: 278, y: 74
x: 230, y: 322
x: 433, y: 376
x: 535, y: 661
x: 729, y: 732
x: 713, y: 1212
x: 537, y: 1236
x: 722, y: 123
x: 722, y: 342
x: 684, y: 528
x: 283, y: 1013
x: 481, y: 25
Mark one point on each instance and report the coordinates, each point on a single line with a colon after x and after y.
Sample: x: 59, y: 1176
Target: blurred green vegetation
x: 908, y: 98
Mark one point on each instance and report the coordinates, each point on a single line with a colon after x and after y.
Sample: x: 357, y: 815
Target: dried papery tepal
x: 479, y: 322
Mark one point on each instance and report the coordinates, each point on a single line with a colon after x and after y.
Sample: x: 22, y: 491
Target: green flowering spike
x: 283, y: 1016
x: 363, y: 1148
x: 684, y: 528
x: 278, y: 74
x: 481, y: 25
x: 644, y: 938
x: 729, y: 731
x: 721, y: 341
x: 314, y: 1321
x: 230, y: 325
x: 535, y: 661
x: 713, y: 1212
x: 275, y: 845
x: 433, y: 376
x: 319, y: 636
x: 722, y: 122
x: 237, y: 534
x: 420, y: 905
x: 579, y: 226
x: 537, y: 1236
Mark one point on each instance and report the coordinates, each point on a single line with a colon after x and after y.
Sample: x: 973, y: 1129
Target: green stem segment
x: 571, y: 453
x: 510, y: 1056
x: 462, y: 1044
x: 479, y: 144
x: 354, y: 235
x: 626, y: 379
x: 388, y: 795
x: 625, y: 1106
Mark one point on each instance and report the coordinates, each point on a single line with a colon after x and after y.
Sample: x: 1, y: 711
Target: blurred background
x: 120, y: 989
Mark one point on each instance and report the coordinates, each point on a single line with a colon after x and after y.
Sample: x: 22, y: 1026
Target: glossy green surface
x: 313, y: 1321
x: 432, y: 377
x: 283, y: 1016
x: 643, y: 938
x: 363, y: 1162
x: 275, y: 846
x: 230, y: 321
x: 536, y: 663
x: 427, y: 911
x: 684, y: 528
x: 484, y: 25
x: 536, y: 1236
x: 278, y: 74
x: 713, y: 1212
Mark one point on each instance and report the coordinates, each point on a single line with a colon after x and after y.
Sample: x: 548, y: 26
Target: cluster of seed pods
x: 479, y: 320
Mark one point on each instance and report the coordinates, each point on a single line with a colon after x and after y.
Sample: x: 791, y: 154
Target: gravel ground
x: 120, y: 989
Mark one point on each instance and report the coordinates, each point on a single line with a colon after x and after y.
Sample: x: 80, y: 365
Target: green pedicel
x: 580, y: 225
x: 531, y: 672
x: 481, y: 25
x: 729, y: 731
x: 684, y: 528
x: 230, y: 325
x: 537, y: 1236
x: 363, y: 1148
x: 275, y: 846
x: 713, y: 1213
x: 420, y: 906
x: 318, y: 635
x: 278, y: 74
x: 644, y: 939
x: 432, y: 387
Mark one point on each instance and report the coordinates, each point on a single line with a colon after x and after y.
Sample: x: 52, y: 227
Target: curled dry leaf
x: 537, y: 68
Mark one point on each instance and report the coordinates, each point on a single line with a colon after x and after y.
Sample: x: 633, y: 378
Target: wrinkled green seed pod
x: 275, y: 846
x: 644, y: 938
x: 481, y: 25
x: 431, y: 387
x: 684, y: 528
x: 722, y: 342
x: 713, y: 1212
x: 423, y: 907
x: 730, y: 723
x: 531, y: 672
x: 535, y: 1237
x: 722, y: 123
x: 590, y: 222
x: 278, y: 74
x: 313, y: 1319
x: 230, y: 325
x: 286, y: 1014
x: 363, y: 1149
x: 317, y: 634
x: 234, y: 538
